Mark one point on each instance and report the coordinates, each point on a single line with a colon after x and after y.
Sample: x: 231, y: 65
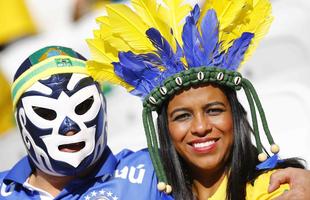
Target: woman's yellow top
x: 258, y: 191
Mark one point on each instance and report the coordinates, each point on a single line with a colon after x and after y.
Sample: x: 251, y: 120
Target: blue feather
x: 164, y: 50
x: 169, y: 59
x: 200, y: 48
x: 209, y: 31
x: 138, y: 73
x: 192, y: 40
x: 179, y: 53
x: 236, y: 52
x: 270, y: 163
x: 195, y: 13
x: 152, y: 58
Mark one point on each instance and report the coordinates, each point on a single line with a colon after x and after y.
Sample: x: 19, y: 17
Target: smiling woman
x: 201, y: 126
x: 206, y: 146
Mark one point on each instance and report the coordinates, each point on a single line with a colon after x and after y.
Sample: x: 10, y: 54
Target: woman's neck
x: 51, y: 184
x: 205, y: 184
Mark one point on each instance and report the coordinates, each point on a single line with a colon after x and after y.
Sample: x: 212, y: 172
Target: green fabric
x: 50, y: 65
x: 254, y: 117
x: 189, y: 78
x: 37, y: 56
x: 260, y: 110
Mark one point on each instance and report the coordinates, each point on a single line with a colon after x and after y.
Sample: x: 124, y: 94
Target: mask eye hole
x: 83, y: 107
x: 45, y: 113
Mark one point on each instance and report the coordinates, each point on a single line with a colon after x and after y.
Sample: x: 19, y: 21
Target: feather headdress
x: 154, y: 49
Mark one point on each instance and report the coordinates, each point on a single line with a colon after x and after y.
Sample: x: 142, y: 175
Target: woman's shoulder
x: 259, y: 189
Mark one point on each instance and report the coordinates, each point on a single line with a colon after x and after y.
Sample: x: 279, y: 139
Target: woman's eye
x: 45, y: 113
x: 215, y: 111
x: 181, y: 117
x: 83, y: 107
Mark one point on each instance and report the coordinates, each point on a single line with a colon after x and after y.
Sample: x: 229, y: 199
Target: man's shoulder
x: 11, y: 181
x: 2, y: 175
x: 128, y: 156
x: 8, y: 186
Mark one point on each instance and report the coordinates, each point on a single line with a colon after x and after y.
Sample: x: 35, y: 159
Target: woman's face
x: 201, y: 126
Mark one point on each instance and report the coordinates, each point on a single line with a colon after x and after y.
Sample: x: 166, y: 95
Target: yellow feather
x: 257, y: 20
x: 226, y: 10
x: 96, y: 33
x: 98, y: 51
x: 259, y: 23
x: 117, y: 44
x: 239, y: 16
x: 112, y: 42
x: 102, y: 72
x: 124, y: 29
x: 103, y: 33
x: 129, y: 26
x: 174, y: 13
x: 229, y: 13
x: 232, y: 31
x: 147, y: 10
x: 103, y: 20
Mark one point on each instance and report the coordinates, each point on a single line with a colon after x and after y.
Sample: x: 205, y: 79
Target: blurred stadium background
x: 279, y: 69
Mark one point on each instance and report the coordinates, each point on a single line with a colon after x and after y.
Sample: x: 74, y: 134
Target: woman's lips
x: 71, y: 148
x: 204, y: 146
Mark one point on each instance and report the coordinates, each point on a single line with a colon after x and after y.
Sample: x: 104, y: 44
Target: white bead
x: 161, y: 186
x: 200, y: 76
x: 274, y: 148
x: 220, y: 76
x: 168, y: 189
x: 152, y: 100
x: 262, y: 157
x: 237, y: 80
x: 163, y: 90
x: 179, y: 81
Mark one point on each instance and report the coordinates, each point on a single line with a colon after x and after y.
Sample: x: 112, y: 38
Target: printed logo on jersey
x: 101, y: 195
x: 131, y: 173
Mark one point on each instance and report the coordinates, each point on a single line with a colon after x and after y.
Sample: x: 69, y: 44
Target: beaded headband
x: 153, y: 54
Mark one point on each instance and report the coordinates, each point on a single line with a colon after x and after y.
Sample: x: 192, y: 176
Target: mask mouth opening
x: 72, y: 147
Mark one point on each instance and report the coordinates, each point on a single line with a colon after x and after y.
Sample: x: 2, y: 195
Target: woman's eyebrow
x: 215, y: 103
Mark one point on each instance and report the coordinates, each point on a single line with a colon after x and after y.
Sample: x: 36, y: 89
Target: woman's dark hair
x: 241, y: 163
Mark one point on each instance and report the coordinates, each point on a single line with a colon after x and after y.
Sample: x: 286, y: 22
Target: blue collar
x: 22, y: 170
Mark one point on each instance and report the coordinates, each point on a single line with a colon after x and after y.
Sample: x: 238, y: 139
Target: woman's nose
x: 201, y: 125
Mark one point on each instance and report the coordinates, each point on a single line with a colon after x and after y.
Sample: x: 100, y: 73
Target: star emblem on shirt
x: 101, y: 194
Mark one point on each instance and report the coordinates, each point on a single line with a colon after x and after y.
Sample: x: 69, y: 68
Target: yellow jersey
x: 258, y: 191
